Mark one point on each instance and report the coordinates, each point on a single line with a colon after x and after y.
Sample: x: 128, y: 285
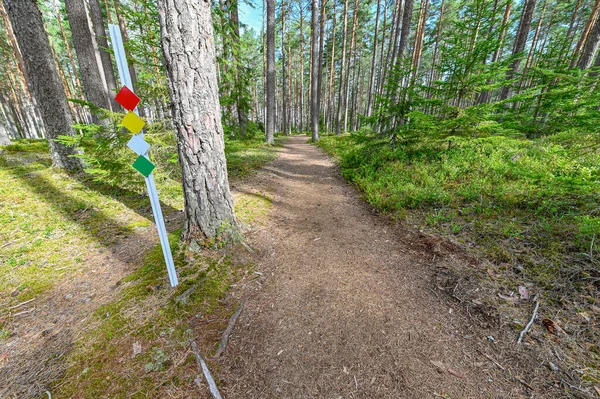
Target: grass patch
x: 137, y: 345
x: 49, y: 219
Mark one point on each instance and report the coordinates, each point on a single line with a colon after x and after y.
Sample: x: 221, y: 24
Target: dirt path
x: 345, y: 306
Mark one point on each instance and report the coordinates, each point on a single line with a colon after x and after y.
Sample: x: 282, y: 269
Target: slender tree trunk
x: 191, y: 65
x: 419, y: 40
x: 42, y: 75
x: 382, y: 66
x: 301, y: 33
x: 591, y: 46
x: 331, y: 105
x: 284, y: 92
x: 585, y: 35
x: 372, y: 79
x: 270, y: 89
x: 321, y: 55
x: 351, y: 62
x: 86, y: 48
x: 128, y: 55
x: 338, y: 125
x: 314, y: 83
x: 519, y: 45
x: 436, y: 47
x: 485, y: 96
x: 107, y: 66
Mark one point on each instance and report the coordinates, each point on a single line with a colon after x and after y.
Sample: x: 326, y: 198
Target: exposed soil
x: 347, y: 305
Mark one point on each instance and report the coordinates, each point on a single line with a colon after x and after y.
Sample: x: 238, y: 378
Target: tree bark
x: 270, y: 89
x: 107, y: 66
x: 130, y: 59
x: 42, y: 75
x: 338, y: 125
x: 314, y: 83
x: 190, y: 59
x: 372, y: 79
x: 88, y: 57
x: 284, y: 92
x: 321, y: 55
x: 591, y: 46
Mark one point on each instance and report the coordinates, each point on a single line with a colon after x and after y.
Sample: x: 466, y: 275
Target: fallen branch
x: 207, y: 375
x: 21, y: 304
x: 23, y: 312
x: 228, y: 330
x: 493, y: 361
x: 528, y: 326
x: 522, y: 381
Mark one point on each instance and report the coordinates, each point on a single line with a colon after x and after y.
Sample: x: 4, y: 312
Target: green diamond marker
x: 143, y: 166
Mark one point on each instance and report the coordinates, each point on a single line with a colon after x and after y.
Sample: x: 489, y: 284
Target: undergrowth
x: 529, y: 205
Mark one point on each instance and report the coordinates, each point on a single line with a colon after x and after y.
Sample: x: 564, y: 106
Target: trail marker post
x: 127, y: 98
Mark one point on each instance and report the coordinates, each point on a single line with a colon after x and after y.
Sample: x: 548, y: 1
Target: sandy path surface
x: 345, y: 306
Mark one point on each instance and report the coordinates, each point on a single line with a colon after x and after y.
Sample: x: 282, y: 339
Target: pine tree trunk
x: 42, y: 75
x: 351, y: 63
x: 519, y: 45
x: 37, y: 119
x: 301, y: 33
x: 591, y: 46
x: 314, y: 83
x: 485, y: 96
x: 270, y: 89
x: 372, y: 79
x: 191, y: 65
x: 321, y: 56
x: 583, y: 39
x: 107, y: 66
x: 284, y: 91
x: 88, y: 56
x: 130, y: 60
x: 331, y: 105
x: 338, y: 125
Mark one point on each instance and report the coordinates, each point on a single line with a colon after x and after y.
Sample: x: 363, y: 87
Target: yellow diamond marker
x: 133, y: 123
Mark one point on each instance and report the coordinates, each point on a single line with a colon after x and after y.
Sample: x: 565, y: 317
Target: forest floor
x: 338, y: 302
x: 350, y: 304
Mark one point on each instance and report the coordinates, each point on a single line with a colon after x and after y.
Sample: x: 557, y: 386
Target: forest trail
x: 345, y: 306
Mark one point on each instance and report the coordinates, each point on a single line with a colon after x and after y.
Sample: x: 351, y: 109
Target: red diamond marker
x: 127, y: 98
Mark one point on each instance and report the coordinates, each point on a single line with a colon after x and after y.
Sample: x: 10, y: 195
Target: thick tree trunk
x: 314, y: 83
x: 192, y: 75
x: 519, y: 45
x: 270, y: 89
x: 107, y: 66
x: 42, y: 75
x: 86, y: 48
